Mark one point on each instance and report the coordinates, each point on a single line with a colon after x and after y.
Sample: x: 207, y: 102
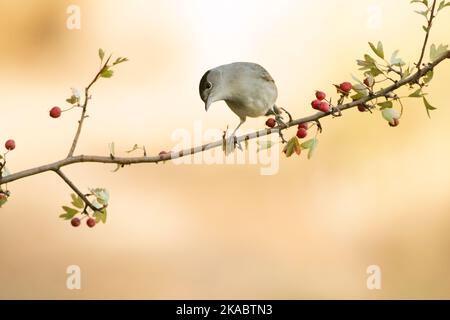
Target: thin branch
x: 84, y: 108
x: 76, y: 190
x: 430, y: 22
x: 55, y: 166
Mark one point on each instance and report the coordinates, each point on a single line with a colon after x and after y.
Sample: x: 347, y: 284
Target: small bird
x: 247, y: 88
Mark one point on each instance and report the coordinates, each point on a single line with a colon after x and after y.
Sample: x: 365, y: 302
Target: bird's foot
x: 336, y: 112
x: 230, y: 144
x: 277, y: 111
x: 282, y: 125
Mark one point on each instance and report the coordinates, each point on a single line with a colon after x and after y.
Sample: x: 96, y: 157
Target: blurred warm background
x: 371, y: 194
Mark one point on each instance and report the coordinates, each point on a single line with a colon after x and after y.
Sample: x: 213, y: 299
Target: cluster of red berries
x: 302, y: 130
x: 320, y: 103
x: 10, y: 145
x: 75, y: 222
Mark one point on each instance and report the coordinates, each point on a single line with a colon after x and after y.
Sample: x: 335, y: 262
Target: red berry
x: 163, y: 153
x: 362, y: 108
x: 345, y: 86
x: 55, y: 112
x: 10, y: 145
x: 302, y: 133
x: 324, y: 106
x: 394, y: 122
x: 271, y: 122
x: 90, y: 222
x: 315, y: 104
x: 75, y: 222
x: 320, y: 95
x: 303, y: 125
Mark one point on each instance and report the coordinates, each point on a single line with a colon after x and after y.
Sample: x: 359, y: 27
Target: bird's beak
x: 207, y: 103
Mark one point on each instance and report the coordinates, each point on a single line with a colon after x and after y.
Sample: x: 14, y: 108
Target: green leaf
x: 293, y: 145
x: 425, y: 2
x: 3, y: 199
x: 428, y: 76
x: 77, y: 201
x: 264, y: 145
x: 428, y: 107
x: 101, y: 194
x: 442, y: 5
x: 120, y: 60
x: 70, y: 213
x: 375, y: 71
x: 100, y: 216
x: 106, y: 73
x: 379, y: 51
x: 312, y: 149
x: 385, y: 105
x: 307, y: 144
x: 311, y: 145
x: 101, y: 54
x: 436, y: 52
x: 73, y: 100
x: 406, y: 73
x: 396, y: 61
x: 416, y: 94
x: 422, y: 13
x: 358, y: 96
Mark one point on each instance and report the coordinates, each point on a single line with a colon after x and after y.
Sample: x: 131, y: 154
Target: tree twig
x: 84, y: 109
x: 76, y: 190
x: 430, y: 22
x: 55, y: 166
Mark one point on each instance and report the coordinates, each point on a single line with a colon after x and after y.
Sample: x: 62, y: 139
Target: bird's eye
x: 208, y: 85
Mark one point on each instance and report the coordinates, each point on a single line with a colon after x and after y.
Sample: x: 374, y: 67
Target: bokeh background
x: 371, y: 195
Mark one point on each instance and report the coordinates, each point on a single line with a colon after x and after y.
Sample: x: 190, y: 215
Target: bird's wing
x: 266, y: 76
x: 261, y: 72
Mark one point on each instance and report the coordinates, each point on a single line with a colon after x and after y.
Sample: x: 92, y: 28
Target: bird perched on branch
x: 248, y: 90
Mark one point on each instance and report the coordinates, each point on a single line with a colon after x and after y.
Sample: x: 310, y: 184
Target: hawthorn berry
x: 303, y: 125
x: 10, y: 145
x: 324, y: 106
x: 320, y: 95
x: 75, y: 222
x: 55, y: 112
x: 271, y: 122
x: 302, y: 133
x: 395, y: 122
x: 315, y: 104
x: 90, y: 222
x: 346, y: 87
x: 362, y: 108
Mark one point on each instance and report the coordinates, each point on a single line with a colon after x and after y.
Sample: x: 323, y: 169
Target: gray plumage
x: 247, y: 88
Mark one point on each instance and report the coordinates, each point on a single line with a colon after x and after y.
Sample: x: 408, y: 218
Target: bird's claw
x: 289, y: 115
x: 231, y: 143
x: 336, y: 112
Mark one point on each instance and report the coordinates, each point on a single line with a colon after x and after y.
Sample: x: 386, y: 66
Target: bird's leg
x: 232, y: 142
x: 279, y: 119
x: 336, y: 111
